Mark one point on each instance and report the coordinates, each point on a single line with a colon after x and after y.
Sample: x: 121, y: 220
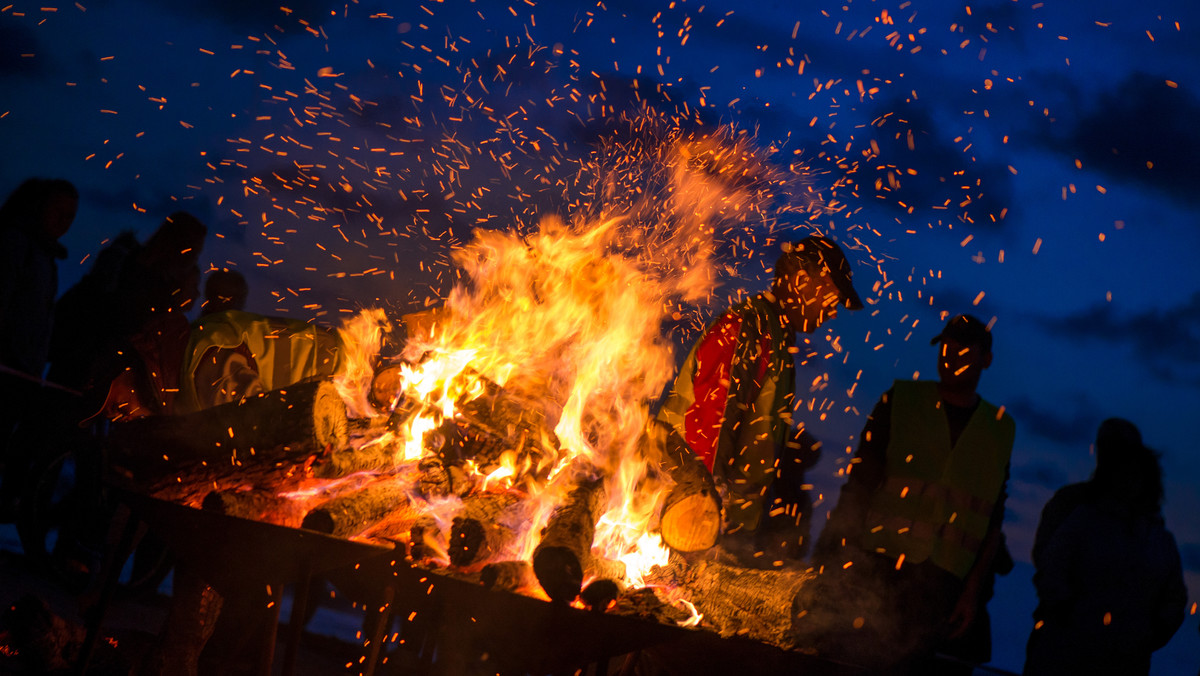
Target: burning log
x: 426, y: 539
x: 607, y: 582
x: 376, y: 457
x: 690, y: 518
x: 510, y: 576
x: 477, y: 531
x: 600, y: 593
x: 355, y: 512
x: 437, y: 480
x: 600, y: 568
x: 256, y: 504
x: 565, y: 549
x: 311, y: 414
x: 496, y: 426
x: 736, y: 601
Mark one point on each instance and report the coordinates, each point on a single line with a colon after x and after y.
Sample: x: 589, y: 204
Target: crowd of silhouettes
x: 906, y: 562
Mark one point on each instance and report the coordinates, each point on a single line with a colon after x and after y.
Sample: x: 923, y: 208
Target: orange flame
x: 567, y: 320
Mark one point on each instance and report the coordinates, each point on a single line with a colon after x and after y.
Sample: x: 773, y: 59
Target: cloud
x: 1142, y: 130
x: 915, y: 165
x: 1056, y: 425
x: 999, y: 20
x: 1164, y: 339
x: 260, y: 15
x: 16, y: 40
x: 1040, y: 473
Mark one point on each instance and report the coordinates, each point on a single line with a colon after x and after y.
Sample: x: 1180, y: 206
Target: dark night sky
x: 1045, y: 156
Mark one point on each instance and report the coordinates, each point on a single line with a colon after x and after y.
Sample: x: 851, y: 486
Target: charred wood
x: 599, y: 594
x: 356, y: 512
x: 256, y: 504
x: 307, y: 416
x: 340, y: 462
x: 436, y: 479
x: 565, y: 548
x: 426, y: 539
x: 478, y: 531
x: 510, y: 576
x: 737, y: 601
x: 496, y: 426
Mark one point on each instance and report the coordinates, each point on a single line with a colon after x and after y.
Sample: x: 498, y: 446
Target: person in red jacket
x: 734, y: 396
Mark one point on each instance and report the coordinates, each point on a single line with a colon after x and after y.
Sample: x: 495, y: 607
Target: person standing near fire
x: 905, y: 553
x: 734, y: 396
x: 1107, y: 570
x: 233, y: 354
x: 32, y: 220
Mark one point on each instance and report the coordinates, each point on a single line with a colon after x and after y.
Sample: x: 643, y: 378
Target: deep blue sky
x: 339, y: 151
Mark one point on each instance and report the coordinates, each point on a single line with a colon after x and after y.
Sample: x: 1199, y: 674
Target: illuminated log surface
x: 256, y: 504
x: 478, y: 531
x: 600, y: 568
x: 607, y: 582
x: 356, y: 512
x: 340, y: 462
x: 599, y: 594
x: 436, y: 479
x: 737, y: 601
x: 304, y: 417
x: 510, y: 576
x: 690, y: 518
x: 565, y: 548
x: 426, y: 539
x: 495, y: 425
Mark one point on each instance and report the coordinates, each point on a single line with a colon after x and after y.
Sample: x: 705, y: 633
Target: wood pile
x: 293, y: 458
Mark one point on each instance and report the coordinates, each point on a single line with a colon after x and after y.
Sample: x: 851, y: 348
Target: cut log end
x: 331, y: 429
x: 320, y: 521
x: 508, y: 576
x: 599, y: 594
x: 692, y: 523
x: 559, y: 571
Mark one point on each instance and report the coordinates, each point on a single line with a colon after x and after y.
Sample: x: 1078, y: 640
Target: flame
x: 362, y: 336
x: 567, y: 320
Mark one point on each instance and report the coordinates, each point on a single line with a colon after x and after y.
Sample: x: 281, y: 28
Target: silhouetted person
x: 233, y: 354
x: 911, y: 542
x: 32, y: 220
x: 224, y: 289
x: 128, y: 316
x: 734, y: 396
x: 1108, y: 573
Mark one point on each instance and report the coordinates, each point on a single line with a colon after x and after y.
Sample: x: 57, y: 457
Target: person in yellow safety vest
x: 905, y: 553
x: 233, y: 354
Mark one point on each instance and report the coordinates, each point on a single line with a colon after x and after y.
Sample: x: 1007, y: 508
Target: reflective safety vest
x: 285, y: 351
x: 937, y: 500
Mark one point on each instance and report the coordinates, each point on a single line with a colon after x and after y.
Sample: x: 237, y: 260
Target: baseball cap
x: 826, y: 253
x: 965, y: 330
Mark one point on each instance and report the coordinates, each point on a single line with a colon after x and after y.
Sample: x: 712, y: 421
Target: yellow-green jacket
x: 937, y: 500
x: 281, y: 351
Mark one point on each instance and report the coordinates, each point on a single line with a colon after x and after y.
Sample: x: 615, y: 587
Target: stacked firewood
x: 343, y: 477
